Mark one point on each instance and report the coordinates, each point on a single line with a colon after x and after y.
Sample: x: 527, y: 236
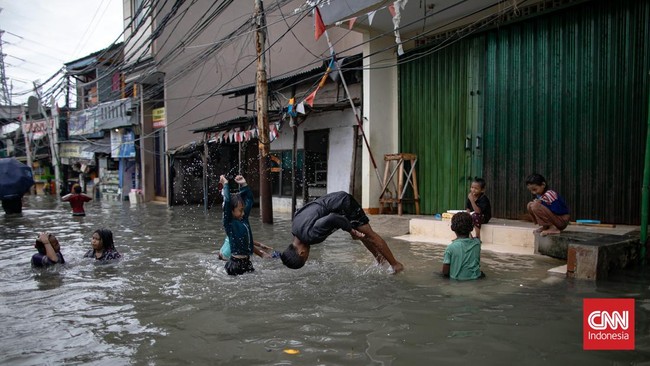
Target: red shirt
x: 77, y: 203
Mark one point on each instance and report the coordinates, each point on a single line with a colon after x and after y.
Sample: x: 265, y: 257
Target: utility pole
x: 5, y: 94
x: 263, y: 115
x: 52, y: 133
x: 27, y: 136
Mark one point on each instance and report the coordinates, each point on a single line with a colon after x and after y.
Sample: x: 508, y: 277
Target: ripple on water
x: 170, y: 300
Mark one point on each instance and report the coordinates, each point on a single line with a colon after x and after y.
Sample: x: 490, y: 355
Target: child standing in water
x: 236, y: 209
x: 478, y: 205
x: 548, y: 208
x: 462, y: 260
x: 259, y: 249
x: 77, y: 200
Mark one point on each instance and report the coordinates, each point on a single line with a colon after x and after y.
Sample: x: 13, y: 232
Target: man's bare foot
x: 397, y: 268
x: 550, y: 232
x: 541, y: 228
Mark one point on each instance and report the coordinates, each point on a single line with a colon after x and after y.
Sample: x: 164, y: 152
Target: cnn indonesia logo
x: 608, y: 324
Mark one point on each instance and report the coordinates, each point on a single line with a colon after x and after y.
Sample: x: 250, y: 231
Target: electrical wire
x: 211, y: 94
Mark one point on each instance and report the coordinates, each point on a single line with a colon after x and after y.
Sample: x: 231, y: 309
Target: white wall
x: 380, y: 122
x: 340, y: 164
x: 135, y: 47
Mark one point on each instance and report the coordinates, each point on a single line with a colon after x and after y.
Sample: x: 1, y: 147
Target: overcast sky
x: 41, y: 35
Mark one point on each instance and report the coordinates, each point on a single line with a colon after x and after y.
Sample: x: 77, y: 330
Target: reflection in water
x: 170, y: 301
x: 48, y: 278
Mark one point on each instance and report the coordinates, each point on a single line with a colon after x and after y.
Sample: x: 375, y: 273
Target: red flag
x: 391, y: 8
x: 310, y: 98
x: 319, y: 25
x: 352, y: 22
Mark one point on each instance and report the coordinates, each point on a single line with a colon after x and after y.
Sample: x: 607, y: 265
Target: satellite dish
x: 32, y: 107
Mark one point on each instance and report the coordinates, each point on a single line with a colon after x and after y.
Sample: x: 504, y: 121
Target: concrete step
x: 502, y: 236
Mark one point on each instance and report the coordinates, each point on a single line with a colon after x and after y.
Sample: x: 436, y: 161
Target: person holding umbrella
x: 16, y: 179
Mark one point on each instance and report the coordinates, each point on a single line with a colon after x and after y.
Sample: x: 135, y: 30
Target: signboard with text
x: 158, y: 117
x: 75, y: 150
x: 122, y: 143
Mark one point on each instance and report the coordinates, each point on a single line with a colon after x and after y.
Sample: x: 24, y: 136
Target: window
x: 140, y: 10
x: 281, y: 173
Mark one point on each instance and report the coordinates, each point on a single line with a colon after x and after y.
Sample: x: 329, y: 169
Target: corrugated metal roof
x: 85, y: 61
x: 306, y: 76
x: 185, y: 149
x: 226, y: 125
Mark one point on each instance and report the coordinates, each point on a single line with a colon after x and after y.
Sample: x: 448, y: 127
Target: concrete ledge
x: 591, y: 252
x: 502, y: 236
x: 594, y: 259
x: 556, y: 246
x: 590, y: 256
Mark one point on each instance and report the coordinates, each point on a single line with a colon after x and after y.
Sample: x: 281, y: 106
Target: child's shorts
x: 354, y: 213
x: 238, y: 266
x: 478, y: 219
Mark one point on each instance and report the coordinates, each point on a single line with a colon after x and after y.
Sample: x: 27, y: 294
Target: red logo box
x: 608, y: 324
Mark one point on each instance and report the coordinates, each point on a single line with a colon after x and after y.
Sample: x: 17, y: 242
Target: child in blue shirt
x: 261, y: 250
x: 548, y: 209
x: 236, y: 209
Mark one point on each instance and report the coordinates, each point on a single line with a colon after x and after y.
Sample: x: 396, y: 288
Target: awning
x: 187, y: 150
x: 102, y: 146
x: 242, y: 121
x: 307, y: 76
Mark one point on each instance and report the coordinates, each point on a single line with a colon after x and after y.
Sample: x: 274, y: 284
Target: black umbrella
x: 16, y: 179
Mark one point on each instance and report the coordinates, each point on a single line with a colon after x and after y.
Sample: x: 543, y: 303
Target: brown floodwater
x: 169, y: 301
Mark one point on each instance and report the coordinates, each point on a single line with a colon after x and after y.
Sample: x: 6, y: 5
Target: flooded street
x: 169, y: 301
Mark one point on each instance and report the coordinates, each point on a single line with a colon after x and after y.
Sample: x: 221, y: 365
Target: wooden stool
x: 386, y: 197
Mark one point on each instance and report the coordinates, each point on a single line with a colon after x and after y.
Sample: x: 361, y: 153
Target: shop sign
x: 75, y: 150
x: 158, y: 117
x: 79, y: 124
x: 37, y: 129
x: 122, y: 143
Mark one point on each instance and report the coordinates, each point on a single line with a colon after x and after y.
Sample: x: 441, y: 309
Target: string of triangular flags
x: 319, y: 29
x: 241, y: 135
x: 395, y: 11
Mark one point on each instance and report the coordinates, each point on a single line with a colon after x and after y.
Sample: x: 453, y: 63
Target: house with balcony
x: 99, y: 149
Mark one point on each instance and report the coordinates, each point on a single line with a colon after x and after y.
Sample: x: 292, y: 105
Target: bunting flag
x: 330, y: 67
x: 310, y: 98
x: 274, y: 132
x: 395, y: 10
x: 352, y: 22
x: 319, y: 26
x: 391, y: 8
x: 300, y: 108
x: 291, y: 108
x: 237, y: 135
x: 371, y: 16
